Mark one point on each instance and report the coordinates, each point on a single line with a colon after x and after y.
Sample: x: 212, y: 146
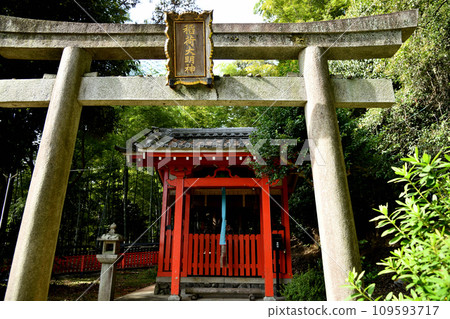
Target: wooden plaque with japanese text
x: 189, y: 48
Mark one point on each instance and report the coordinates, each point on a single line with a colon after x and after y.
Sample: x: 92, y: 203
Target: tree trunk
x: 6, y: 205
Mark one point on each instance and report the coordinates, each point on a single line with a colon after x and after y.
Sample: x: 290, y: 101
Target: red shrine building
x: 220, y: 223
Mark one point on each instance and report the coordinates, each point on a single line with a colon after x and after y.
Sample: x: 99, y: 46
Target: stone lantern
x: 109, y: 256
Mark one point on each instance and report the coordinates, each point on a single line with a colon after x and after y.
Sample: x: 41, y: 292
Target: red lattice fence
x: 86, y: 263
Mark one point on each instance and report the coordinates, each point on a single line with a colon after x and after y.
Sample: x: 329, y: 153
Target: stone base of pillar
x: 269, y: 299
x: 174, y: 298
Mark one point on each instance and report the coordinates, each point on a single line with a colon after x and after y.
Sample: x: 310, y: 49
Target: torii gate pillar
x: 35, y: 249
x: 339, y: 245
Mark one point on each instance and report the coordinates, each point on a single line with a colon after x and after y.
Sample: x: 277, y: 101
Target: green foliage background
x: 308, y: 286
x: 420, y: 225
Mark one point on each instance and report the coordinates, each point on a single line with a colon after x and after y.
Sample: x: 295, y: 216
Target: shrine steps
x: 253, y: 287
x: 252, y: 293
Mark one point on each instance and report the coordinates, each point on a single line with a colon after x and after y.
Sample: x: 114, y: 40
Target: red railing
x: 86, y: 263
x: 203, y: 258
x: 244, y: 256
x: 80, y: 263
x: 138, y: 259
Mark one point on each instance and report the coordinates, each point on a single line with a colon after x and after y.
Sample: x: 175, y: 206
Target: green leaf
x: 385, y: 271
x: 378, y: 218
x: 383, y: 223
x: 426, y: 158
x: 370, y: 289
x: 388, y: 231
x: 396, y: 239
x: 427, y: 169
x: 389, y: 296
x: 409, y: 159
x: 360, y: 276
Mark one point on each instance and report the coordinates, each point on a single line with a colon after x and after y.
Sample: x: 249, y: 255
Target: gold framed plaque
x: 189, y: 48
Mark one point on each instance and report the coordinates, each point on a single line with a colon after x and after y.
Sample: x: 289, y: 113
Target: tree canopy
x: 301, y: 10
x: 172, y: 5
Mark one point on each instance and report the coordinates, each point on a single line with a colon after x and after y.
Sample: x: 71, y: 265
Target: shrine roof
x: 195, y: 138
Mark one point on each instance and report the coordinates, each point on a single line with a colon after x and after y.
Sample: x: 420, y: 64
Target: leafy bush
x: 309, y: 286
x: 421, y: 225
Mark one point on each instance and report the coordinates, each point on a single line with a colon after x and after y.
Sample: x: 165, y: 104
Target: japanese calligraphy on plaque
x: 189, y: 48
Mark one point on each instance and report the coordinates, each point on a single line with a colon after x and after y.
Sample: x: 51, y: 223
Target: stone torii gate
x: 77, y: 44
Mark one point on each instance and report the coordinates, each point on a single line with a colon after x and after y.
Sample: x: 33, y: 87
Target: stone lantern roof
x: 111, y: 235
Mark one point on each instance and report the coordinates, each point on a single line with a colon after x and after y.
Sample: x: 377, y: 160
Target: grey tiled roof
x: 196, y: 138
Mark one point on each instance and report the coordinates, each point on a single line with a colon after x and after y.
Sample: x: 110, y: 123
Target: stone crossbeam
x: 358, y: 38
x: 239, y: 91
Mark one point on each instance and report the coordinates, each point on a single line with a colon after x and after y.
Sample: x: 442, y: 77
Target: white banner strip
x: 227, y: 309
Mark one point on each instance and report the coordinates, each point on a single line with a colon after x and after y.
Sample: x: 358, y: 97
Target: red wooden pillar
x: 176, y: 245
x: 260, y: 243
x: 287, y: 232
x: 267, y: 239
x: 186, y: 235
x: 162, y: 232
x: 169, y: 216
